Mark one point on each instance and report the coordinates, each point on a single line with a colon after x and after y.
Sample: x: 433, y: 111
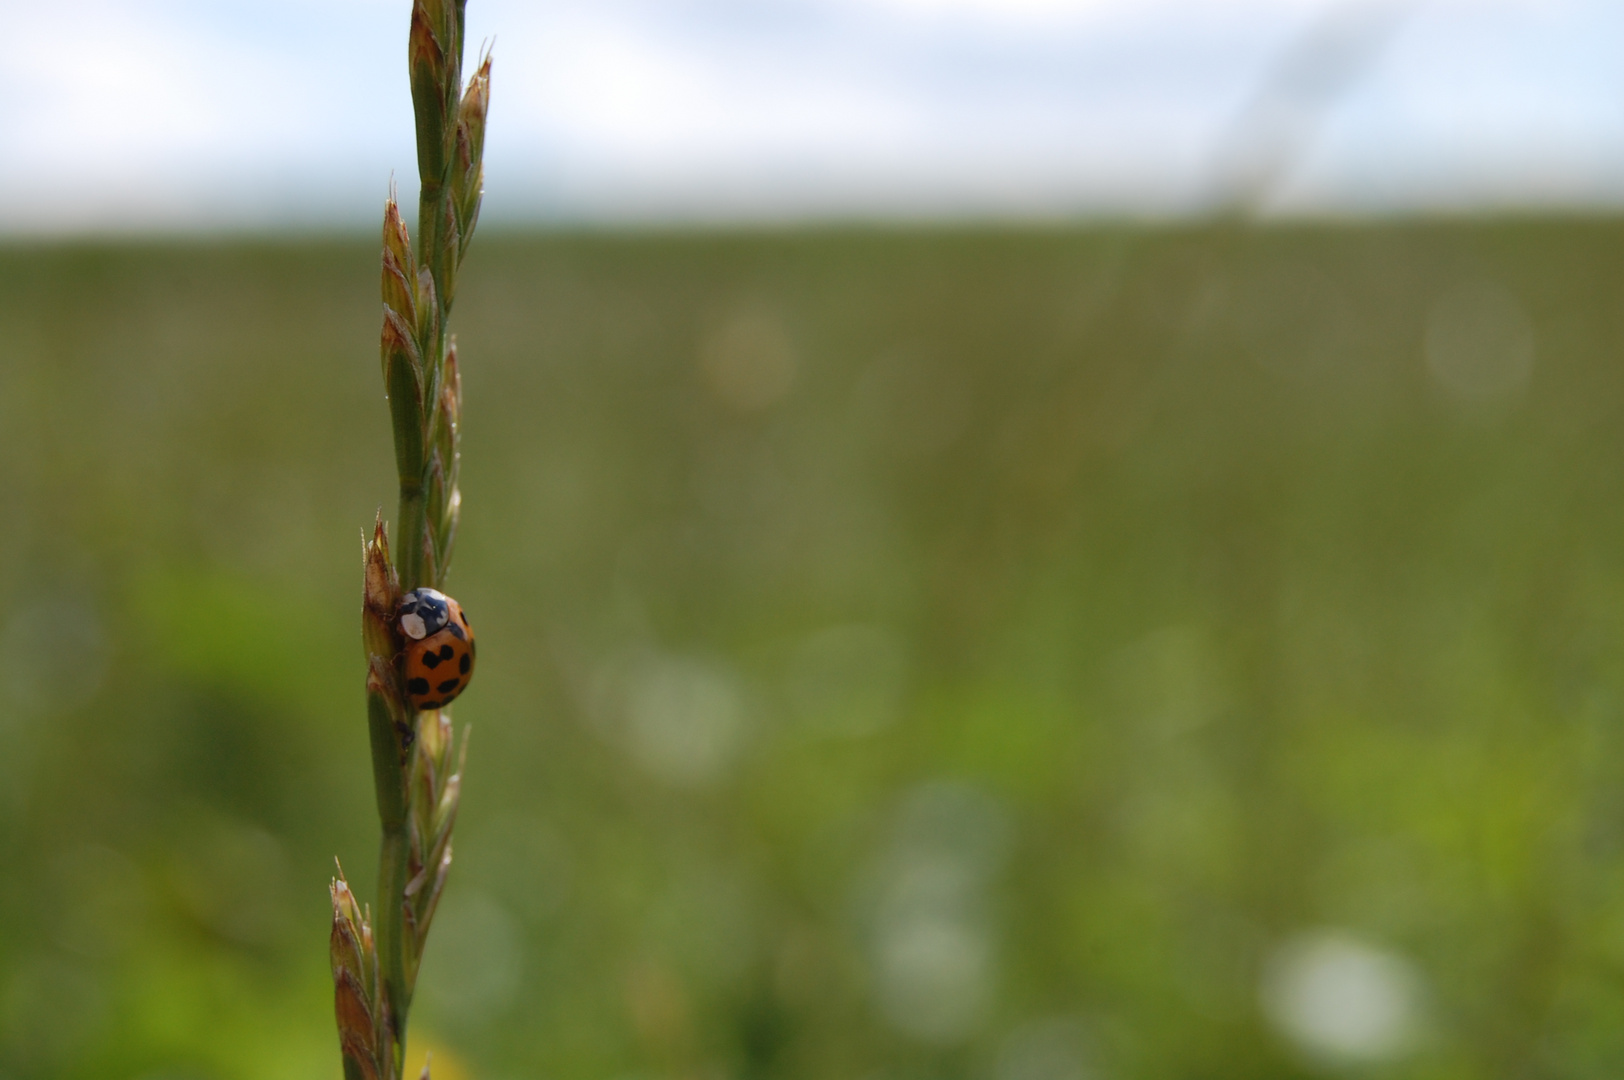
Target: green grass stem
x: 375, y: 963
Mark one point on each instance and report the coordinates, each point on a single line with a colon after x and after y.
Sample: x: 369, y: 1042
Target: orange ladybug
x: 439, y: 648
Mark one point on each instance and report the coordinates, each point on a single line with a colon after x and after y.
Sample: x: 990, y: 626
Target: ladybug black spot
x: 431, y: 659
x: 418, y: 686
x: 447, y: 652
x: 467, y: 662
x: 463, y: 615
x: 456, y: 632
x: 430, y: 705
x: 448, y: 686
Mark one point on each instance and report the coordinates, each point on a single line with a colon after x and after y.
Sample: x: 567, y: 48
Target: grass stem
x: 417, y: 777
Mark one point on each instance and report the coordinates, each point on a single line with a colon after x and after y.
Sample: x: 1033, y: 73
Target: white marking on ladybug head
x: 430, y: 609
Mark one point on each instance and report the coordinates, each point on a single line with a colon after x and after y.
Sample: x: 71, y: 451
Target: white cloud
x: 175, y: 111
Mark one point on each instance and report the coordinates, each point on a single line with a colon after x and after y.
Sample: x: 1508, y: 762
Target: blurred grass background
x: 1048, y: 655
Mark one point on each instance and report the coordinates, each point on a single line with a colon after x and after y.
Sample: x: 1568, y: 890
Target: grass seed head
x: 468, y: 169
x: 427, y: 61
x: 396, y: 240
x: 428, y: 308
x: 398, y: 266
x: 452, y: 378
x: 397, y: 290
x: 380, y: 595
x: 450, y: 251
x: 383, y: 683
x: 475, y: 105
x: 348, y: 951
x: 358, y: 1006
x: 397, y: 343
x: 403, y: 383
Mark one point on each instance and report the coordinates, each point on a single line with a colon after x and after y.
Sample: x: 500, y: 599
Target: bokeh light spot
x: 1341, y: 999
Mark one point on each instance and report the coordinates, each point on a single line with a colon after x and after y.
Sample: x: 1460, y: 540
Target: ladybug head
x: 423, y: 612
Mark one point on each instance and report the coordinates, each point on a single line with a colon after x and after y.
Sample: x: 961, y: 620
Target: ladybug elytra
x: 439, y: 648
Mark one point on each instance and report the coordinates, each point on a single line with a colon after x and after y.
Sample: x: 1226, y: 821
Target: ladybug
x: 439, y: 647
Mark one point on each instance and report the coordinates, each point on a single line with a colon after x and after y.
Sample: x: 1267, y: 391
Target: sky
x: 169, y: 115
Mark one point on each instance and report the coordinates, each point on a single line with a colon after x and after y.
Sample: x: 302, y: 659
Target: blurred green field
x: 1125, y: 652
